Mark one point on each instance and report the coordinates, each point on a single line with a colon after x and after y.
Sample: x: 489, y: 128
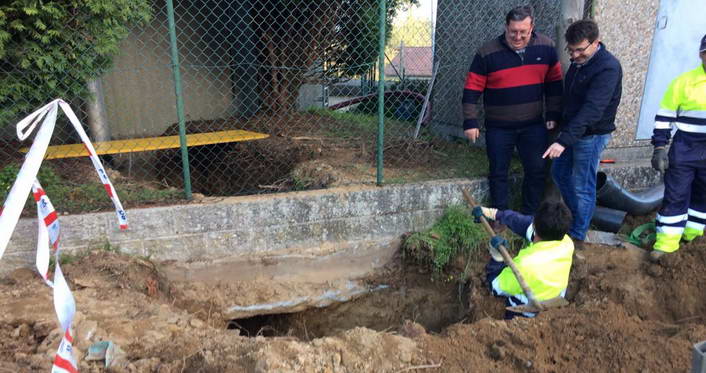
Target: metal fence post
x: 381, y: 90
x: 179, y: 99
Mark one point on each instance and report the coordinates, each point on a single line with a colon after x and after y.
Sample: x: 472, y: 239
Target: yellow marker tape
x: 150, y: 143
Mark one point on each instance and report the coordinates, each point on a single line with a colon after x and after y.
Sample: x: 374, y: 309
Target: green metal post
x: 381, y: 90
x: 176, y: 69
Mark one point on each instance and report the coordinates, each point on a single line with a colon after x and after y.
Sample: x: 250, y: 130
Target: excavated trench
x: 407, y: 296
x: 626, y: 314
x: 402, y: 294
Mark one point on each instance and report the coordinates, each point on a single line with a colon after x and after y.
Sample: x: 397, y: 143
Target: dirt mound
x: 263, y: 165
x: 665, y: 292
x: 101, y: 269
x: 626, y: 315
x: 296, y: 142
x: 599, y: 338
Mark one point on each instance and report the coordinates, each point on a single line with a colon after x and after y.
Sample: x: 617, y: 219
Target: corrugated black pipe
x: 610, y: 194
x: 608, y: 220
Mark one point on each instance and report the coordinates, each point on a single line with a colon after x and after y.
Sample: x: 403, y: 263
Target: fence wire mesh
x: 281, y: 93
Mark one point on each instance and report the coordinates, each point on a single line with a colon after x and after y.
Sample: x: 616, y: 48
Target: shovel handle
x: 508, y: 260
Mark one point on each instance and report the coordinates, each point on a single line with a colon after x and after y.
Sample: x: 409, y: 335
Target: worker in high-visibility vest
x: 545, y: 263
x: 683, y: 212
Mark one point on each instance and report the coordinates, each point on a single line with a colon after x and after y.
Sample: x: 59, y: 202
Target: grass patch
x: 72, y: 197
x: 455, y: 233
x: 92, y: 197
x: 363, y: 126
x: 449, y: 158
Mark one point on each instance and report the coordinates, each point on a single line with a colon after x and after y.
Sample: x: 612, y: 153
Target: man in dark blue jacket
x: 592, y: 89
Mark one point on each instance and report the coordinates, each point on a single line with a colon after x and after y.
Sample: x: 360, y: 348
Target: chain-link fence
x: 273, y: 95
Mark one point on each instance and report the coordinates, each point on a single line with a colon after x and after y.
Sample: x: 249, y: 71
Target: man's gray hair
x: 519, y: 13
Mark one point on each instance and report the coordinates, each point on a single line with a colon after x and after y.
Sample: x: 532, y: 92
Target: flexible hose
x: 610, y: 194
x: 607, y: 219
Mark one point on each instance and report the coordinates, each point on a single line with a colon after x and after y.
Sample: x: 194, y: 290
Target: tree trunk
x: 97, y: 119
x: 293, y: 40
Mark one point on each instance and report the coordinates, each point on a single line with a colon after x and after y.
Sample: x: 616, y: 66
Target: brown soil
x: 626, y: 315
x: 295, y: 142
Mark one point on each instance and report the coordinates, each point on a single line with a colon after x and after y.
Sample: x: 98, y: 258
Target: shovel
x: 534, y: 305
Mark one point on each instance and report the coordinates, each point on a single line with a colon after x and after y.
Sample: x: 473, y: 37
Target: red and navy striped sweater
x: 516, y: 88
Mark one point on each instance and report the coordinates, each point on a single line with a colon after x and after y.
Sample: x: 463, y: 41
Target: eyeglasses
x: 572, y: 51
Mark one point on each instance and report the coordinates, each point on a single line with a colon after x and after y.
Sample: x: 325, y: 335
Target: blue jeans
x: 575, y: 174
x: 531, y: 142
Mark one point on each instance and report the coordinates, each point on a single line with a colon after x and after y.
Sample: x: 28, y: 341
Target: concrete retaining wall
x: 312, y: 223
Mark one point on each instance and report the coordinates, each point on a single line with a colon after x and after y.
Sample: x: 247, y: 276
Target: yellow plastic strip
x: 150, y: 143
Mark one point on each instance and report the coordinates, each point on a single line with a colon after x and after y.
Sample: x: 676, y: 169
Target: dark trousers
x: 531, y: 142
x: 684, y: 202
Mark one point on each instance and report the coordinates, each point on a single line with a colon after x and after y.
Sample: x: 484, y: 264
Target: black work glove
x: 660, y: 161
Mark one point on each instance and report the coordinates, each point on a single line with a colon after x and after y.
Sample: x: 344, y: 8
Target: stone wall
x: 627, y: 27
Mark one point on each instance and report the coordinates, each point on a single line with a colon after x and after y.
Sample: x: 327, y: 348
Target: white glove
x: 489, y: 212
x: 493, y: 247
x: 495, y: 253
x: 486, y: 212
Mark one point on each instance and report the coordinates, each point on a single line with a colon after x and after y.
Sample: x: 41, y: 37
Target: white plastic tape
x: 12, y: 208
x: 49, y: 230
x: 46, y: 217
x: 15, y: 200
x: 64, y: 361
x: 64, y: 303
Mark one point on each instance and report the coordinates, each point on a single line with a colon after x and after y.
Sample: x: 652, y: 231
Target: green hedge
x: 50, y: 49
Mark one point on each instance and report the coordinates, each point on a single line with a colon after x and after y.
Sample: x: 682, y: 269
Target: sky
x: 424, y: 10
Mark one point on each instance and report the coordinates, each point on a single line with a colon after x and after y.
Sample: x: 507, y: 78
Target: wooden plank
x: 150, y: 143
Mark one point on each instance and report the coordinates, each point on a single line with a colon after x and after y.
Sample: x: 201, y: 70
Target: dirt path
x: 627, y: 315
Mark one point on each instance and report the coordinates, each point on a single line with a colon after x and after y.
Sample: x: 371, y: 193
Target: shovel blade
x: 547, y: 304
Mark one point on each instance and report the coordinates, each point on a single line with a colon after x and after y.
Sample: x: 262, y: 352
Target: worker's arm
x: 518, y: 223
x: 499, y: 277
x: 667, y: 114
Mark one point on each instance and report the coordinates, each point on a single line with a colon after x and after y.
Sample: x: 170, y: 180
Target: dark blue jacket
x: 591, y: 96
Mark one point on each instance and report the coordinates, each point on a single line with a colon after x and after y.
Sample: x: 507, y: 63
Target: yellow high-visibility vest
x: 545, y: 266
x: 684, y: 103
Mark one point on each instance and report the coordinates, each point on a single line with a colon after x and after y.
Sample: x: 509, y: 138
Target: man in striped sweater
x: 519, y: 76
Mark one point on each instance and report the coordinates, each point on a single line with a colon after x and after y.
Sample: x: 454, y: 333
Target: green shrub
x: 51, y: 49
x: 52, y: 183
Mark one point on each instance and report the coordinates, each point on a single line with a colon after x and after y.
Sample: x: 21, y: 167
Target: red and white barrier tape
x: 47, y: 219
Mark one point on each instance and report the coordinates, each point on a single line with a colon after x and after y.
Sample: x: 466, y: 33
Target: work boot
x: 655, y: 255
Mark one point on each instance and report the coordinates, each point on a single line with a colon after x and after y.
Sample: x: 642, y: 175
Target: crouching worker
x: 545, y: 263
